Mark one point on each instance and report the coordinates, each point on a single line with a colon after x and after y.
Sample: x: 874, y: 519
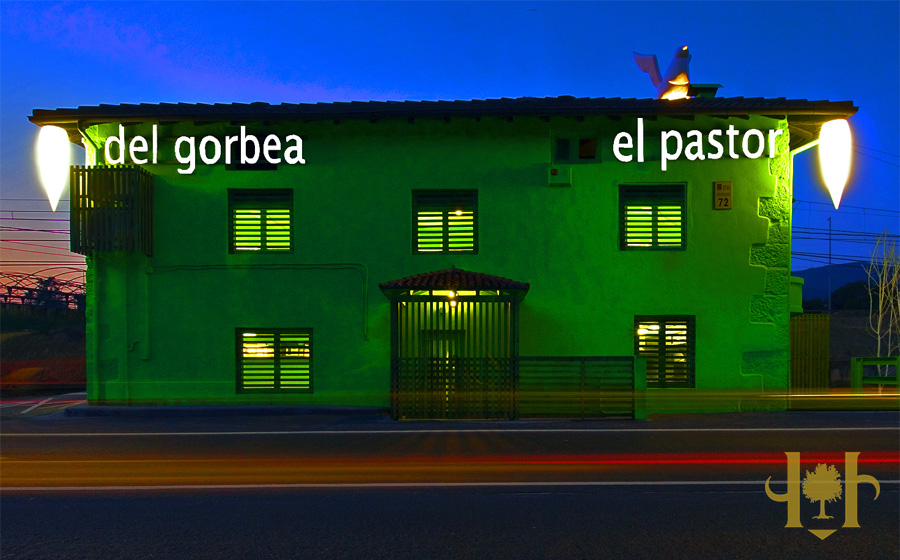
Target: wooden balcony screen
x: 111, y: 209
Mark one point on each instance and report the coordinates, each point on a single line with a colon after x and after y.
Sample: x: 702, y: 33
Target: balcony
x: 111, y: 209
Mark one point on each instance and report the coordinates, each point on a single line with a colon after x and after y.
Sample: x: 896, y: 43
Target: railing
x: 857, y: 379
x: 111, y: 209
x: 454, y: 388
x: 580, y: 387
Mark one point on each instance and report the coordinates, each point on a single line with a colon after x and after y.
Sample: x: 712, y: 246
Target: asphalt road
x: 310, y: 485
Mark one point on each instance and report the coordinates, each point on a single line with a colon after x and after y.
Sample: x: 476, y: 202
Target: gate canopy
x: 462, y: 283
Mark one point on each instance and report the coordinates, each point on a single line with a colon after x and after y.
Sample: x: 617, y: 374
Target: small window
x: 575, y: 150
x: 274, y: 360
x: 562, y: 149
x: 651, y: 217
x: 260, y: 220
x: 587, y: 148
x: 445, y: 221
x: 668, y: 344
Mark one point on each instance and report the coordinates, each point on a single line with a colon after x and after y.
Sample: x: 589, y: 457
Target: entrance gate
x: 453, y: 336
x: 452, y: 359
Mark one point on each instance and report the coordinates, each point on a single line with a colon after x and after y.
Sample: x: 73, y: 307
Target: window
x: 651, y: 217
x: 587, y: 148
x: 575, y: 150
x: 260, y: 220
x: 445, y: 221
x: 274, y: 360
x: 668, y: 344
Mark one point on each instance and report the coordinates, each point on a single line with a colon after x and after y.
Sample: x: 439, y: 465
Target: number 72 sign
x: 722, y: 195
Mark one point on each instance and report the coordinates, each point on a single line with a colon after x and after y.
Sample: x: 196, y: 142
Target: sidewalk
x: 71, y: 408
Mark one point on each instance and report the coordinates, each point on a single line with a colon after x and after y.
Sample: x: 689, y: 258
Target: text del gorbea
x: 210, y: 149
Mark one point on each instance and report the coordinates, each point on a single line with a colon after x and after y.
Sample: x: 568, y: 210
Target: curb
x: 84, y: 410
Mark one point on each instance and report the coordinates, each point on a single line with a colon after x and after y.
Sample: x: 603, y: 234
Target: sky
x: 55, y: 55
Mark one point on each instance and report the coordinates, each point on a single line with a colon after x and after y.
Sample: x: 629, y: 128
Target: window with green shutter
x: 652, y: 217
x: 260, y: 220
x: 274, y: 360
x: 668, y: 343
x: 445, y: 221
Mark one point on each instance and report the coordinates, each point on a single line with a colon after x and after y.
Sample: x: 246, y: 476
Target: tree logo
x: 822, y: 485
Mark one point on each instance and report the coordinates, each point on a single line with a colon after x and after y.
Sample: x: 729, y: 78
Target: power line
x: 876, y: 159
x: 41, y: 262
x: 874, y: 150
x: 848, y: 206
x: 35, y: 244
x: 5, y: 249
x: 846, y: 231
x: 29, y: 199
x: 35, y: 219
x: 29, y: 239
x: 35, y: 211
x: 13, y: 228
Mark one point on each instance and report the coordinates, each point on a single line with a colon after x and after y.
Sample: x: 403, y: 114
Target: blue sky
x: 68, y: 54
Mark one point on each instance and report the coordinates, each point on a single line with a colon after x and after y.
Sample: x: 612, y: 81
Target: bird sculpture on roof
x: 675, y: 82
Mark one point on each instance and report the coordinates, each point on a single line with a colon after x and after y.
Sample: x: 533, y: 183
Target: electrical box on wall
x: 559, y: 176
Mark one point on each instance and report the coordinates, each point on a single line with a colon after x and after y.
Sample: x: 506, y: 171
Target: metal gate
x: 452, y: 358
x: 810, y: 352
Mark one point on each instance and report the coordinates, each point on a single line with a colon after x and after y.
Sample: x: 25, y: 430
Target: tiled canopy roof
x: 454, y: 279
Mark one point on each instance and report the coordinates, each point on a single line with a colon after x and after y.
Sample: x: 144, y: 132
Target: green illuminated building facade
x: 421, y: 248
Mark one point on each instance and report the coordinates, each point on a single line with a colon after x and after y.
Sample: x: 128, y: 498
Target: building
x: 407, y: 253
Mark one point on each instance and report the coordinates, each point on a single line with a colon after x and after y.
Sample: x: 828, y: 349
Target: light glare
x: 835, y: 142
x: 54, y: 158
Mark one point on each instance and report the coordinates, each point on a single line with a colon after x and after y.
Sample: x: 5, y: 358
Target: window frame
x: 277, y: 358
x: 263, y: 200
x: 654, y: 196
x: 444, y: 201
x: 662, y: 380
x: 567, y: 149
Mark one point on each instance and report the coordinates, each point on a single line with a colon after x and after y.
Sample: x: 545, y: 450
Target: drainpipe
x: 794, y: 152
x: 87, y: 141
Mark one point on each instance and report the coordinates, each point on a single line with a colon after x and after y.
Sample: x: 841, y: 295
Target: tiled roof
x: 453, y: 279
x: 503, y: 107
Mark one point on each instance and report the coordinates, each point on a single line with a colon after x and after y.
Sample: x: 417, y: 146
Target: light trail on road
x: 194, y: 472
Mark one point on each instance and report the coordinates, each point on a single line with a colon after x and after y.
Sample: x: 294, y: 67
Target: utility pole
x: 829, y: 265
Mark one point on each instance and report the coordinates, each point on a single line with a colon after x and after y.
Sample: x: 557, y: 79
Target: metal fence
x: 810, y: 352
x: 582, y: 387
x: 522, y: 387
x: 886, y: 366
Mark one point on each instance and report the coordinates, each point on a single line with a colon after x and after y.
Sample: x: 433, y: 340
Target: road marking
x: 359, y: 485
x: 451, y: 431
x: 32, y: 407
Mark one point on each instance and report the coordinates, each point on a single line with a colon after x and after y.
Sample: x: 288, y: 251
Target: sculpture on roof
x: 675, y: 82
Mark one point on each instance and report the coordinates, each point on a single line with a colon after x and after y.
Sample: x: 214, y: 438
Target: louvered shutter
x: 668, y: 344
x: 261, y: 219
x: 445, y: 221
x: 651, y: 217
x: 274, y: 360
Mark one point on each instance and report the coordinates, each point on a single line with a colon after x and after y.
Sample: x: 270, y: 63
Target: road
x: 333, y: 486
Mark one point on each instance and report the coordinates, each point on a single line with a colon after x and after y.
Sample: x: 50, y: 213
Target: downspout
x: 87, y: 141
x: 794, y: 152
